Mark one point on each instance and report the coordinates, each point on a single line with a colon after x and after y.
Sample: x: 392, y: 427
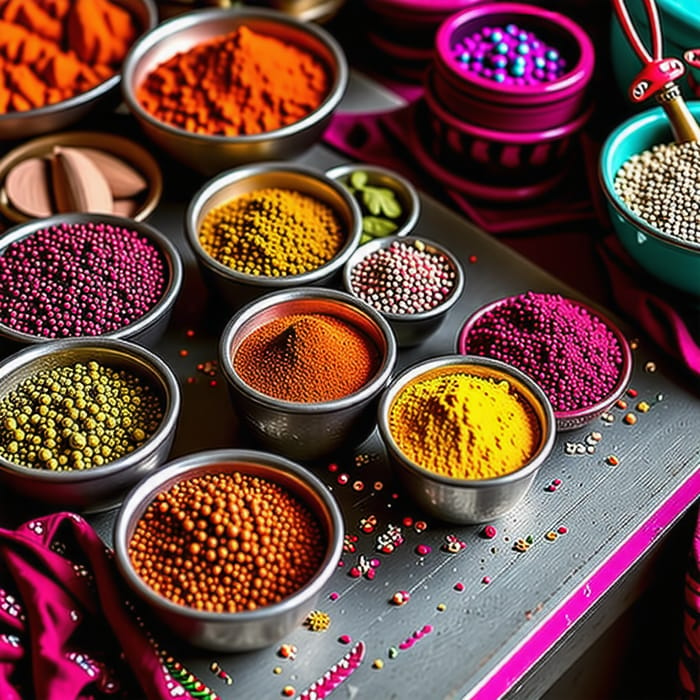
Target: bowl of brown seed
x: 650, y: 183
x: 82, y: 420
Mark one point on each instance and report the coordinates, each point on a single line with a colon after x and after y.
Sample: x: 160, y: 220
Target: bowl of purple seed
x: 578, y: 356
x: 650, y: 183
x: 513, y: 66
x: 411, y: 281
x: 86, y: 275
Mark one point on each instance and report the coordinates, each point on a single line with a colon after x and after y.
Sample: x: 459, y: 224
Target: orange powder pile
x: 51, y: 50
x: 237, y: 84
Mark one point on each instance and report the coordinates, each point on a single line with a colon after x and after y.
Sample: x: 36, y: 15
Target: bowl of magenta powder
x: 229, y: 548
x: 79, y: 275
x: 305, y: 368
x: 579, y: 357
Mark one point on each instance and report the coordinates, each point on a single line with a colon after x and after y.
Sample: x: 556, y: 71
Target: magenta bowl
x: 565, y: 420
x: 505, y: 105
x: 505, y: 158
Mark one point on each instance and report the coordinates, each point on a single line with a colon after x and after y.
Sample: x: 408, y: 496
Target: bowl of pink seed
x: 86, y: 275
x: 578, y: 356
x: 413, y: 282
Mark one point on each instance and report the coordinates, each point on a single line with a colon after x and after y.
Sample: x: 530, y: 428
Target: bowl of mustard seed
x: 271, y: 226
x: 83, y: 419
x: 650, y: 183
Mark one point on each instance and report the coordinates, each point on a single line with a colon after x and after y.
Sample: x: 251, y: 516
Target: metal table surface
x: 483, y: 621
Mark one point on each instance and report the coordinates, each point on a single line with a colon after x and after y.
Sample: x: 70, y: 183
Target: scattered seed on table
x: 643, y: 407
x: 612, y: 460
x: 630, y: 418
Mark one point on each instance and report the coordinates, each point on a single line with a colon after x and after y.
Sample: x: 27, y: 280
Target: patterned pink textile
x: 67, y: 631
x: 689, y: 666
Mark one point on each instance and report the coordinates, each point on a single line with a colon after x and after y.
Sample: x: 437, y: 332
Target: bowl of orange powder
x: 60, y: 61
x: 271, y: 226
x: 466, y: 435
x: 305, y: 368
x: 229, y: 548
x: 220, y: 87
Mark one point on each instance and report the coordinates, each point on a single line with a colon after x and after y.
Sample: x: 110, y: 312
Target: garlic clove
x: 28, y: 188
x: 124, y: 180
x: 78, y: 183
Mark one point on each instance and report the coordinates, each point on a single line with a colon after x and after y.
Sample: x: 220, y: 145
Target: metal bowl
x: 467, y: 501
x: 307, y: 430
x: 568, y: 420
x: 60, y: 115
x: 411, y: 329
x: 98, y: 488
x: 210, y: 154
x: 250, y: 629
x: 146, y: 330
x: 377, y: 176
x: 236, y: 288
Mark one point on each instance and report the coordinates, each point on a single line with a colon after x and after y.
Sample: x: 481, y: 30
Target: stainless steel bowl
x: 245, y: 630
x: 236, y: 288
x: 33, y: 122
x: 411, y: 329
x: 98, y: 488
x: 307, y: 430
x: 210, y: 154
x: 377, y: 176
x: 146, y: 330
x: 467, y: 501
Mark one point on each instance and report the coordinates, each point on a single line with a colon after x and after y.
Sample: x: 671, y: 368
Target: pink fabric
x: 66, y: 629
x: 689, y: 667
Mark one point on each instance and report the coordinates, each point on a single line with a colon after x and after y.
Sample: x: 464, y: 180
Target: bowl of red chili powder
x: 579, y: 356
x: 84, y: 419
x: 271, y: 226
x: 466, y: 435
x: 229, y: 548
x: 86, y: 275
x: 305, y: 368
x: 216, y: 88
x: 62, y: 61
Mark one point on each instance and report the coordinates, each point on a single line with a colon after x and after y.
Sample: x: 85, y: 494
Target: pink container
x: 511, y: 106
x: 503, y: 158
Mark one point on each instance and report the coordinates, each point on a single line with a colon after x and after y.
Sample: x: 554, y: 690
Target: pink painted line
x: 542, y: 639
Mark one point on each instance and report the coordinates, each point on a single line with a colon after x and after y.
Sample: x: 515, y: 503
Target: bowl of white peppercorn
x: 411, y: 281
x: 650, y: 184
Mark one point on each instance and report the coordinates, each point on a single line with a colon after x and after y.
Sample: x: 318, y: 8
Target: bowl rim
x: 342, y: 171
x: 565, y: 417
x: 301, y: 294
x: 457, y: 362
x: 95, y: 92
x: 165, y: 248
x: 195, y: 209
x: 643, y: 120
x: 117, y: 346
x: 371, y: 247
x: 217, y: 17
x: 183, y: 468
x: 579, y: 74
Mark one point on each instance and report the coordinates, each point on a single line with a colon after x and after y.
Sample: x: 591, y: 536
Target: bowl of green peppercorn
x: 83, y: 419
x: 389, y: 203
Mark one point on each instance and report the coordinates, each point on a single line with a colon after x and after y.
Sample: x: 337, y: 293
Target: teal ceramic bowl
x: 680, y: 25
x: 665, y: 257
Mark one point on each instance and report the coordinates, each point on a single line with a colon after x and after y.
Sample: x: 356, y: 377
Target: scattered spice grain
x: 226, y: 542
x: 306, y: 358
x: 240, y: 83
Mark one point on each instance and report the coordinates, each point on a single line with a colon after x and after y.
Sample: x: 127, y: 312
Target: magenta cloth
x: 689, y: 667
x: 67, y: 631
x: 598, y: 267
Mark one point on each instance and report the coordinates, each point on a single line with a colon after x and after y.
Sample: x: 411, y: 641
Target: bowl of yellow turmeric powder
x: 61, y: 61
x: 466, y: 435
x: 271, y: 226
x: 220, y: 87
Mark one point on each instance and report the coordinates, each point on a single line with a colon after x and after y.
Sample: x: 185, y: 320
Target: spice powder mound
x: 465, y: 426
x: 227, y: 542
x: 306, y: 358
